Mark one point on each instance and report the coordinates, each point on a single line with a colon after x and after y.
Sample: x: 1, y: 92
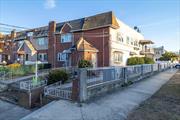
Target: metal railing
x: 6, y: 75
x: 99, y: 80
x: 57, y: 90
x: 30, y: 84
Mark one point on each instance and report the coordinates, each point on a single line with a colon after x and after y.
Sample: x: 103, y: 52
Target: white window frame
x: 61, y: 56
x: 65, y: 38
x: 118, y: 57
x: 42, y: 57
x: 120, y: 37
x: 41, y: 41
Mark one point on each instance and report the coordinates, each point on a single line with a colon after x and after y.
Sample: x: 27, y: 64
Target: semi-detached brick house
x: 102, y: 39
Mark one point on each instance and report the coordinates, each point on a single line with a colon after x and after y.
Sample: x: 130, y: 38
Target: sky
x: 158, y: 20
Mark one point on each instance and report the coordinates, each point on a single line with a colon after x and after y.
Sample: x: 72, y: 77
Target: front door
x: 94, y: 59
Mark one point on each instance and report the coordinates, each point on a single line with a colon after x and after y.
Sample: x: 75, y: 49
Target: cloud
x: 49, y: 4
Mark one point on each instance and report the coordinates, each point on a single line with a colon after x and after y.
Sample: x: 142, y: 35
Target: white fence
x: 95, y: 81
x: 30, y: 84
x: 58, y: 91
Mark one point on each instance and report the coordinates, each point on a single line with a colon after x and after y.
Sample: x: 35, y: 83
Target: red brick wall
x: 51, y: 42
x: 94, y: 37
x: 99, y: 41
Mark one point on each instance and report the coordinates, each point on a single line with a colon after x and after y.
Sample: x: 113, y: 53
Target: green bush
x: 84, y: 64
x: 139, y: 60
x: 148, y: 60
x: 44, y: 66
x: 135, y: 61
x: 2, y: 69
x: 57, y: 75
x: 22, y: 70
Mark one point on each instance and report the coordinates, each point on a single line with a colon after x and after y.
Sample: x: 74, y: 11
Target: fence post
x: 152, y: 68
x: 142, y: 71
x: 125, y: 74
x: 82, y: 84
x: 75, y: 89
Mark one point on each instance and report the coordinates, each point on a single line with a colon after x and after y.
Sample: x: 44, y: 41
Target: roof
x: 143, y: 42
x: 100, y: 20
x: 83, y: 45
x: 29, y: 45
x: 86, y: 23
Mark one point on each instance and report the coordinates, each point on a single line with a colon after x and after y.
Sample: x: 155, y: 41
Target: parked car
x: 177, y: 66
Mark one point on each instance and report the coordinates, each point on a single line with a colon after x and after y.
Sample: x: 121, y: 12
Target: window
x: 118, y: 57
x: 119, y: 37
x: 61, y: 57
x: 27, y: 56
x: 66, y: 37
x: 42, y: 56
x: 41, y: 41
x: 132, y: 41
x: 127, y: 40
x: 136, y: 43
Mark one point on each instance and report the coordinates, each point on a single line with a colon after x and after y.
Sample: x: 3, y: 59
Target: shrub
x: 139, y: 60
x: 135, y: 61
x: 148, y: 60
x: 44, y: 66
x: 57, y: 75
x: 3, y: 69
x: 14, y: 66
x: 84, y: 64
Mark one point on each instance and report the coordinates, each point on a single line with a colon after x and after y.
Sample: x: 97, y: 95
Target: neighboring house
x: 158, y: 52
x: 102, y: 39
x: 6, y: 48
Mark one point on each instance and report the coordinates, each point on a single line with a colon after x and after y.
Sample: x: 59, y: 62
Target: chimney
x: 52, y: 27
x: 51, y: 43
x: 13, y: 34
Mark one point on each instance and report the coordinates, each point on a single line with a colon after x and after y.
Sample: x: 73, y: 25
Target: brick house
x: 102, y: 39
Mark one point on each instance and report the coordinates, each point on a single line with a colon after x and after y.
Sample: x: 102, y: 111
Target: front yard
x: 164, y: 105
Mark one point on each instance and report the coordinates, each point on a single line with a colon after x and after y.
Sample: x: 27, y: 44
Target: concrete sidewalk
x: 115, y: 106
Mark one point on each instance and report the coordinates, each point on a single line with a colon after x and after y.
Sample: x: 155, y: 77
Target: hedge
x: 57, y: 75
x: 84, y: 64
x: 139, y: 60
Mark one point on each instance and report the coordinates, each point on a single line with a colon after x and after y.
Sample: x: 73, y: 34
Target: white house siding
x: 123, y: 47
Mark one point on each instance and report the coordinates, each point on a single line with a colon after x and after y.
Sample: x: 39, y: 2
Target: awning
x: 143, y: 42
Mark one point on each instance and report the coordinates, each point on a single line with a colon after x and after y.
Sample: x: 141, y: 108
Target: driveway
x: 10, y: 111
x: 115, y: 106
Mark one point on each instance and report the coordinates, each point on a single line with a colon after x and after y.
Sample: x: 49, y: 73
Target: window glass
x: 41, y: 41
x: 42, y: 56
x: 118, y: 57
x: 119, y: 37
x: 127, y: 40
x: 62, y: 57
x: 66, y: 38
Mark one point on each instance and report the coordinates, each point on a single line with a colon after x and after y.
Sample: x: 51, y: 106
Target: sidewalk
x: 115, y: 106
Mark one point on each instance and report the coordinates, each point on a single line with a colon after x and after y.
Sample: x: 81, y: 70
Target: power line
x: 14, y: 26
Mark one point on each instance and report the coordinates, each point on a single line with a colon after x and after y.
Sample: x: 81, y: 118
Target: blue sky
x: 159, y: 20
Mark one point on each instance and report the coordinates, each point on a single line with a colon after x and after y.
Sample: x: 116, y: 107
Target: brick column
x: 75, y: 90
x: 51, y: 43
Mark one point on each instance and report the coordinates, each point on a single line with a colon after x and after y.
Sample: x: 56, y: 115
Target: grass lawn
x: 164, y: 105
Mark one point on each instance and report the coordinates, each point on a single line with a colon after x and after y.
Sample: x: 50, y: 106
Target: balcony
x: 148, y: 51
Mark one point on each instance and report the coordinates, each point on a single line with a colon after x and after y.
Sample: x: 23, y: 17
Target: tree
x: 168, y: 56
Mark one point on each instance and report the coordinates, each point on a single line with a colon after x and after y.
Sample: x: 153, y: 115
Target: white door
x: 94, y: 59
